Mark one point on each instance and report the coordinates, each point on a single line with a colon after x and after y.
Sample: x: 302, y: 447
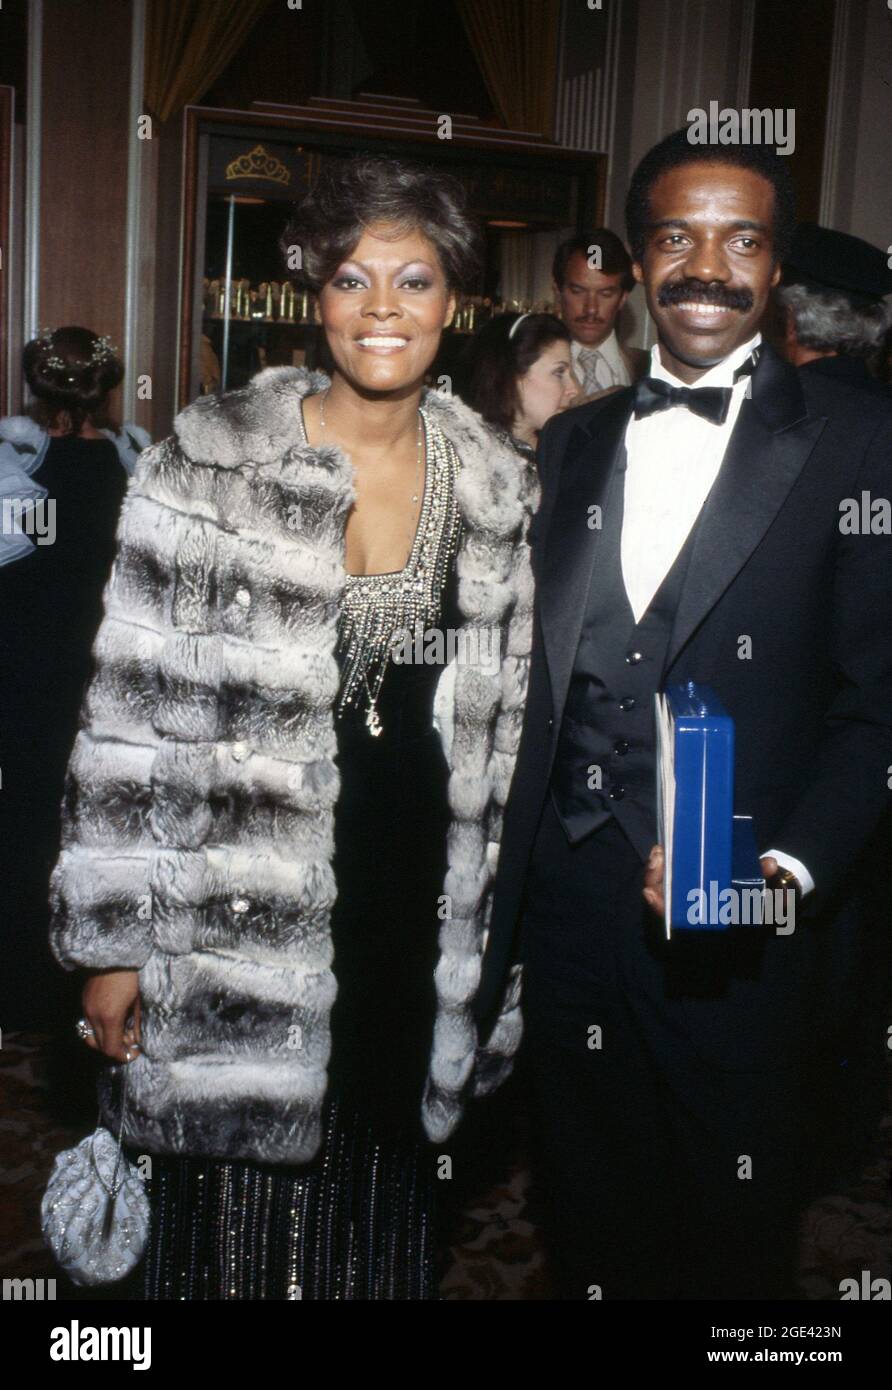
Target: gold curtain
x: 188, y: 45
x: 515, y: 43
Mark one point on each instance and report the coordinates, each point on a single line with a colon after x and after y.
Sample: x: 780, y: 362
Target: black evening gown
x: 50, y: 609
x: 358, y: 1222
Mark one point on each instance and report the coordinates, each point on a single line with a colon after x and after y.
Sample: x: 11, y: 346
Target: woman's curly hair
x: 353, y: 194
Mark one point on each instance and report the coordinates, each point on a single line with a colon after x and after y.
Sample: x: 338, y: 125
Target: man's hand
x: 110, y: 1002
x: 653, y: 878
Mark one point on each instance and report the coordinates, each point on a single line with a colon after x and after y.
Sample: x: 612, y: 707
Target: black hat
x: 822, y: 259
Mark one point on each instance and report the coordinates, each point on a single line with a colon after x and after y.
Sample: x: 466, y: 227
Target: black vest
x: 605, y: 762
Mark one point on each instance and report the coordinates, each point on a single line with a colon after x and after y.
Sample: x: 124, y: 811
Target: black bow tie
x: 652, y: 394
x: 711, y: 402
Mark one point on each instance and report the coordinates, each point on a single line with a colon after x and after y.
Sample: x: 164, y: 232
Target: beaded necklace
x: 378, y: 609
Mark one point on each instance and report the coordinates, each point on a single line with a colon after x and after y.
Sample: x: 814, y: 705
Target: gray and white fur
x: 198, y: 813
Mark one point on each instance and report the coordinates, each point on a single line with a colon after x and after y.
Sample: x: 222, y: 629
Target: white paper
x: 666, y: 797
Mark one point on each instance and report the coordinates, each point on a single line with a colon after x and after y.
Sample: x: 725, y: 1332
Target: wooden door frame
x: 7, y: 134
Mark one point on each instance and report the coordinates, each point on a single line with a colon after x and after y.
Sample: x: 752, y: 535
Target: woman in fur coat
x: 284, y: 802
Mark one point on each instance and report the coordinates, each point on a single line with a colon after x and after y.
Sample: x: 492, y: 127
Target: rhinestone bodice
x: 377, y: 609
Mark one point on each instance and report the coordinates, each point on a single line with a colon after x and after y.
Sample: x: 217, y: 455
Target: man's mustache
x: 699, y: 292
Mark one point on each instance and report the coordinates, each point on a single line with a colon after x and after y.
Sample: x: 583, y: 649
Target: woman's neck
x: 86, y: 431
x: 373, y: 421
x: 524, y: 431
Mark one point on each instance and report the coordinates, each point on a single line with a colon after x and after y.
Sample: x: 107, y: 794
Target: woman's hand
x: 110, y: 1002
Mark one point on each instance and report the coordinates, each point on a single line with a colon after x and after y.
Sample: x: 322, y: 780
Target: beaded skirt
x: 357, y: 1223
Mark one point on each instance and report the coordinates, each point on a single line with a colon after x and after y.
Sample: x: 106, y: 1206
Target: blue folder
x: 709, y: 850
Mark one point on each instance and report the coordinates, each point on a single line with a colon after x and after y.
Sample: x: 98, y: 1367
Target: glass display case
x: 241, y: 310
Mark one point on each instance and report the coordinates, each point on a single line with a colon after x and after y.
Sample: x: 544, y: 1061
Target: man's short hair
x: 614, y: 258
x: 677, y: 150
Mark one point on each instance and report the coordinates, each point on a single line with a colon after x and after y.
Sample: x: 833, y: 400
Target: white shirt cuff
x: 786, y: 861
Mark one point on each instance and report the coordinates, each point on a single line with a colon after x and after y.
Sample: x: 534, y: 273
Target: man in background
x: 831, y: 311
x: 830, y: 320
x: 592, y: 280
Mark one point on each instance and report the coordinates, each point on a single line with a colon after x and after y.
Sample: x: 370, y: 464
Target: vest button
x: 621, y: 746
x: 627, y: 702
x: 617, y: 793
x: 550, y: 725
x: 633, y: 658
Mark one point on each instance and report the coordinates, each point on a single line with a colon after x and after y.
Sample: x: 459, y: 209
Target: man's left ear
x: 776, y: 274
x: 638, y: 272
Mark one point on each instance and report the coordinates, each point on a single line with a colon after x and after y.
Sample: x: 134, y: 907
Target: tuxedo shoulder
x: 841, y: 400
x: 561, y: 426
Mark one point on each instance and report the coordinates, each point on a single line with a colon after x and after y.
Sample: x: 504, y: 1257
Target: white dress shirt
x: 611, y: 370
x: 673, y: 459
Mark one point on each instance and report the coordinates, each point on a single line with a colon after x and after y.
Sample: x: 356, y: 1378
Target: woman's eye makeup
x: 346, y: 280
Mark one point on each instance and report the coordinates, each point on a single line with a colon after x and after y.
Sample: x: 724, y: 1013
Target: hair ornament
x: 516, y: 324
x: 45, y: 339
x: 103, y: 351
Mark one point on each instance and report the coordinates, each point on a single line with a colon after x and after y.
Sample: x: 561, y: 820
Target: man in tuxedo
x: 592, y: 278
x: 697, y: 526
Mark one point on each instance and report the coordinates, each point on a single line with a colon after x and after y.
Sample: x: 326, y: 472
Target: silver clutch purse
x: 95, y: 1211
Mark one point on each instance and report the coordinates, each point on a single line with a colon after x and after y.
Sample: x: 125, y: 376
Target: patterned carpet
x: 494, y: 1250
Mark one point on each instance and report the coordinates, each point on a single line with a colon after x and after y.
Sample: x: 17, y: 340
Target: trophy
x: 287, y: 302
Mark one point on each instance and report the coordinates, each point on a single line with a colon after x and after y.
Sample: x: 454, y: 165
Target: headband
x: 516, y: 324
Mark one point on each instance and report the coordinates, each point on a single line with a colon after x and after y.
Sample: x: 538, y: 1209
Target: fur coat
x: 198, y: 813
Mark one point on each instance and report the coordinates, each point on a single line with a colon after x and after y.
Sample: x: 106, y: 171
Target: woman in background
x: 63, y: 474
x: 521, y: 375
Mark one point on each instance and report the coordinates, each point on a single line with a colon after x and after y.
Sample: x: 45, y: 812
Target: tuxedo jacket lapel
x: 768, y: 448
x: 570, y: 544
x: 771, y: 442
